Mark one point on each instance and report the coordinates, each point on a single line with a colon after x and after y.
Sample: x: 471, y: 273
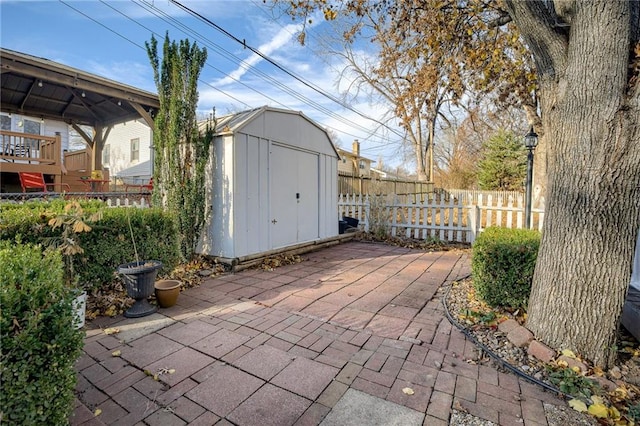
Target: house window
x: 362, y: 165
x: 344, y: 159
x: 135, y: 149
x: 106, y: 154
x: 32, y: 145
x: 32, y: 127
x: 5, y: 122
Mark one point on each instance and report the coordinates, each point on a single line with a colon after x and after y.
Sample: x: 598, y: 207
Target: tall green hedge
x: 502, y: 263
x: 107, y: 245
x: 39, y: 343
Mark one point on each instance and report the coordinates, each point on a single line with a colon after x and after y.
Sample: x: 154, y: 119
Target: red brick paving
x: 282, y: 347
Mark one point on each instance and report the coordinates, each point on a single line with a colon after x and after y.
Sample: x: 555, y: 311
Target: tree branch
x: 537, y: 24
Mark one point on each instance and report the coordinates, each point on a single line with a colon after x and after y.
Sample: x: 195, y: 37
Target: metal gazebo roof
x: 42, y: 88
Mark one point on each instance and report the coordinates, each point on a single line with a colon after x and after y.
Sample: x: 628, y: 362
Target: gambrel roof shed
x: 272, y: 184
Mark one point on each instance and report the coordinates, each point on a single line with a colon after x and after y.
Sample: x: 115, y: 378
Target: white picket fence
x: 141, y: 202
x: 443, y: 218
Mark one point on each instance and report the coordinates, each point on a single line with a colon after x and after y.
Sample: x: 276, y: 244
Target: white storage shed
x: 273, y: 184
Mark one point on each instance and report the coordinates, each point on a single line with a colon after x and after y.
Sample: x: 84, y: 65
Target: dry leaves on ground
x: 618, y: 405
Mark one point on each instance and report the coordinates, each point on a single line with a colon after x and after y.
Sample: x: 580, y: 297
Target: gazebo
x: 44, y: 89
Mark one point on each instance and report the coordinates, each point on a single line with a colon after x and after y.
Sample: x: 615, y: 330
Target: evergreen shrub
x: 107, y: 245
x: 39, y: 342
x: 503, y: 262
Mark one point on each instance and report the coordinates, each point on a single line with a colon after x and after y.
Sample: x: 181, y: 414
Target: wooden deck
x: 20, y: 152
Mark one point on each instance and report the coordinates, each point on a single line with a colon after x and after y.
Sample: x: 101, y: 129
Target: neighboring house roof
x: 233, y: 123
x: 40, y: 87
x: 381, y: 173
x: 345, y: 153
x: 139, y: 170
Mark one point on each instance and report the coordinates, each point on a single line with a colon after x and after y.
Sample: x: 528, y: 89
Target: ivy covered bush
x: 109, y: 242
x: 502, y: 264
x: 39, y: 342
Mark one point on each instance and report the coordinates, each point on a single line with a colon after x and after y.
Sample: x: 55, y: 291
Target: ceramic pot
x: 138, y: 278
x: 167, y: 292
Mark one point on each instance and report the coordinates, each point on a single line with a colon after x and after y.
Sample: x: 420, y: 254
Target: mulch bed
x: 480, y: 322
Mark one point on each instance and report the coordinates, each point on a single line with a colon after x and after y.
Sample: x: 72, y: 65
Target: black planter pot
x: 139, y: 278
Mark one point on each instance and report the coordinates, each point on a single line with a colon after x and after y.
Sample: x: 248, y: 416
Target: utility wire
x: 282, y: 68
x: 142, y: 47
x: 252, y: 69
x: 228, y: 54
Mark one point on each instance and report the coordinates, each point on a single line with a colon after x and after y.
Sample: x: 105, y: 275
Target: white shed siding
x: 328, y: 190
x: 273, y: 184
x: 119, y: 141
x: 217, y: 237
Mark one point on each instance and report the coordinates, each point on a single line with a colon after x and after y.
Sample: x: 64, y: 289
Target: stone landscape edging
x: 495, y: 356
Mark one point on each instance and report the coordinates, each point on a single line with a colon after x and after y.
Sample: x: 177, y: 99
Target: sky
x: 107, y: 38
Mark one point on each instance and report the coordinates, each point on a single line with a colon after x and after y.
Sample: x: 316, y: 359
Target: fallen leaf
x: 598, y: 371
x: 620, y: 393
x: 458, y: 406
x: 568, y: 353
x: 614, y: 413
x: 408, y: 391
x: 155, y: 377
x: 97, y: 412
x: 562, y: 363
x: 599, y: 410
x: 116, y: 353
x: 597, y: 400
x: 111, y: 330
x: 171, y: 370
x: 578, y: 405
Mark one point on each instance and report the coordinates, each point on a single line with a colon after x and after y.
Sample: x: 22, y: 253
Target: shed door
x: 293, y: 196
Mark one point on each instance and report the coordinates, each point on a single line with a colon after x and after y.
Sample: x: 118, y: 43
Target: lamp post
x: 530, y: 142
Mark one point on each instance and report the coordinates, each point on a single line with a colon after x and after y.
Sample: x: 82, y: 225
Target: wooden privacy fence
x: 348, y: 184
x: 443, y: 218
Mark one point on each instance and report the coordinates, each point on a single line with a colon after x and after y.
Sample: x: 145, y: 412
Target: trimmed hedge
x: 107, y: 245
x: 502, y: 264
x: 39, y: 342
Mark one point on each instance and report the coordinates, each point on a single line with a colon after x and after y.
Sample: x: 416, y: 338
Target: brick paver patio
x: 282, y: 347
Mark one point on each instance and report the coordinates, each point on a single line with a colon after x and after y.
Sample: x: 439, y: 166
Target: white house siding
x: 47, y: 127
x: 51, y: 127
x: 119, y: 142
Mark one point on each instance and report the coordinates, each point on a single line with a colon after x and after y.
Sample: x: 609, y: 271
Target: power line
x: 280, y: 67
x: 252, y: 69
x: 230, y: 57
x: 138, y: 45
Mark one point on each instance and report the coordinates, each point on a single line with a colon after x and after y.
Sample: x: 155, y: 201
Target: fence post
x: 474, y: 223
x: 367, y: 212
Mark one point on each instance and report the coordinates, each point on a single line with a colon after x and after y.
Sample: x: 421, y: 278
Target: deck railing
x: 78, y: 160
x: 21, y: 152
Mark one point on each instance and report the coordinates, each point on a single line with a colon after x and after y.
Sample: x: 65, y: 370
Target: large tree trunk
x: 591, y: 116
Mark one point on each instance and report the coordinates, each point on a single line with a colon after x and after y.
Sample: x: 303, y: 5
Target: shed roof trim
x: 233, y: 123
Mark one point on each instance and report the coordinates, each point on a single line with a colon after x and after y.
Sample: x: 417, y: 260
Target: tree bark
x: 590, y: 116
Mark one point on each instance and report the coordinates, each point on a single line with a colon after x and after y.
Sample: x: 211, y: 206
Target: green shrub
x: 39, y: 342
x: 107, y: 245
x: 502, y: 263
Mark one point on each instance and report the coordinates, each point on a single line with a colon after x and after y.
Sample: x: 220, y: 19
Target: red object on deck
x: 34, y: 180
